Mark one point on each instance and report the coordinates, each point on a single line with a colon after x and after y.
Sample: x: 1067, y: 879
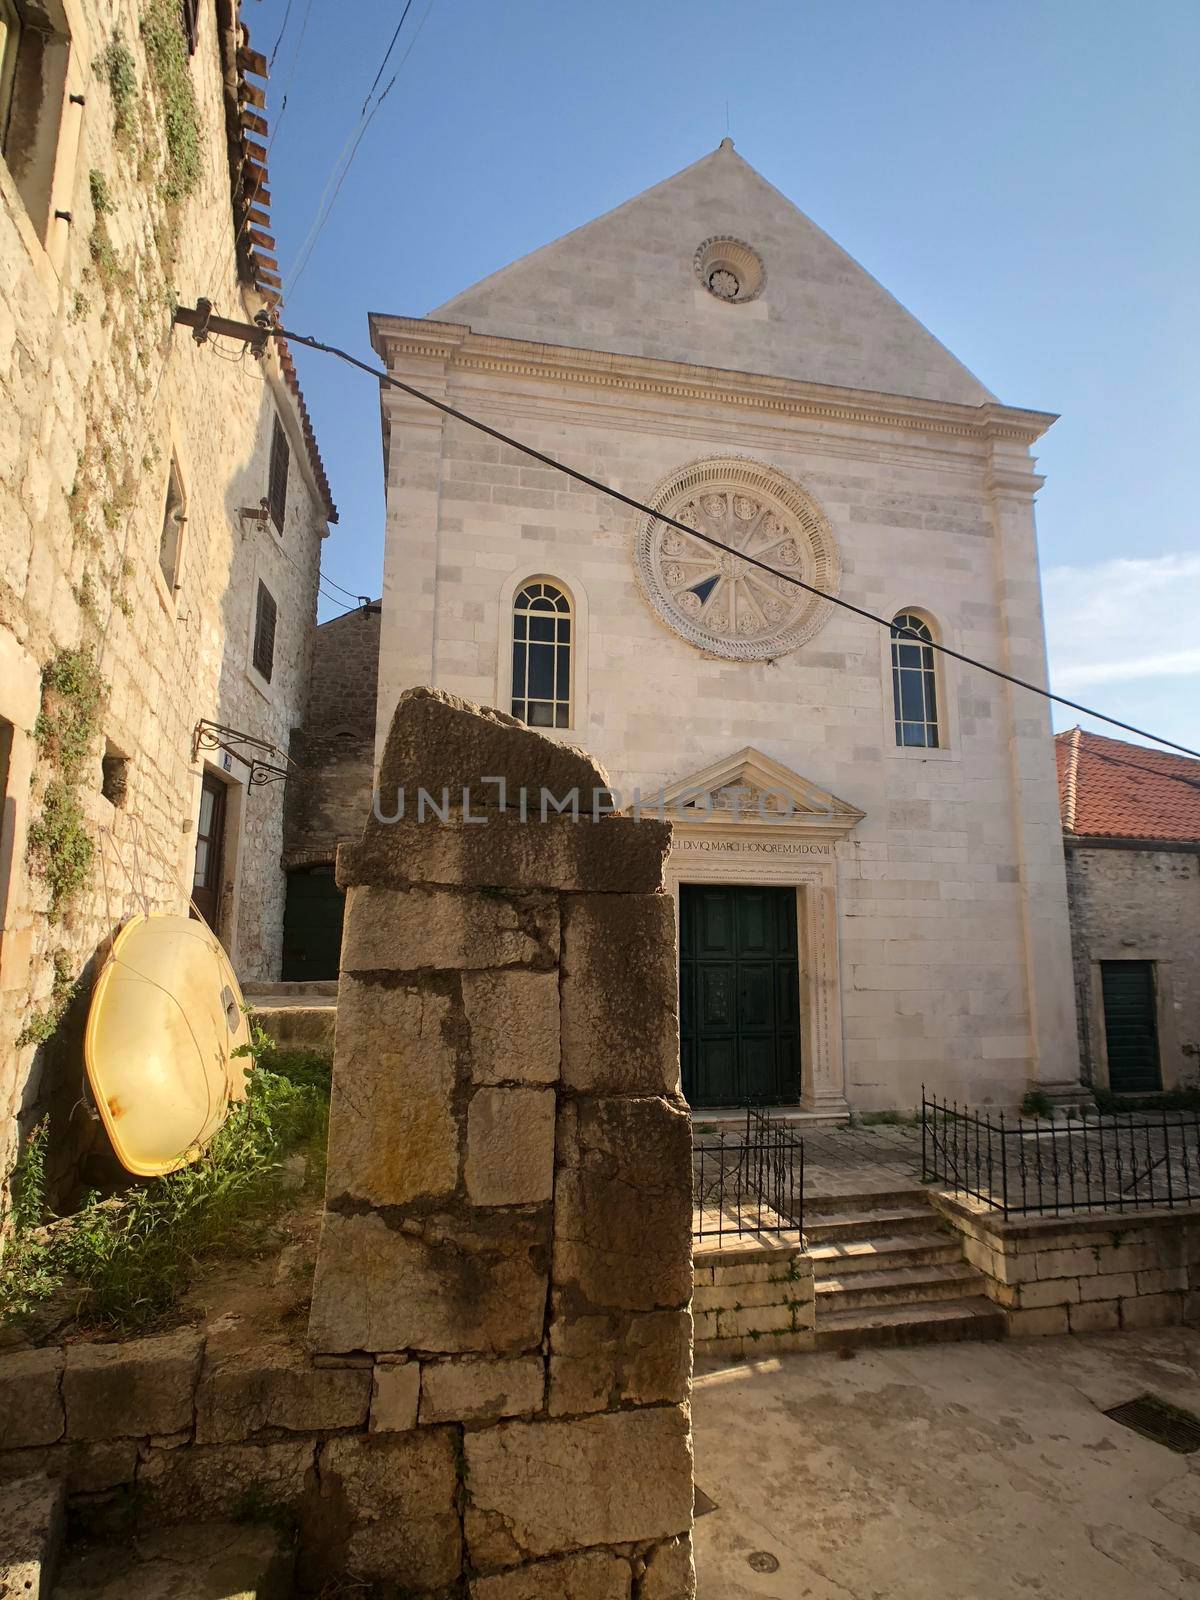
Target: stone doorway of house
x: 739, y: 989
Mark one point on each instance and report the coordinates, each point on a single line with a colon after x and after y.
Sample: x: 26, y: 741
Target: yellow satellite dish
x: 165, y: 1020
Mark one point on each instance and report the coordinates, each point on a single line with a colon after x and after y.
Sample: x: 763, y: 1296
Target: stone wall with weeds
x: 121, y: 1262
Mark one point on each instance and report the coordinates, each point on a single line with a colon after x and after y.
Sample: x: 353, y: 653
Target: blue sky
x: 1021, y: 176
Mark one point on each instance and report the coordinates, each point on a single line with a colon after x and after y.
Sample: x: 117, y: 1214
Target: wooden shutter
x: 264, y: 632
x: 278, y: 476
x: 1130, y: 1026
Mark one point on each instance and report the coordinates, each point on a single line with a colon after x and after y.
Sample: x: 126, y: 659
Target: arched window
x: 914, y: 682
x: 541, y: 658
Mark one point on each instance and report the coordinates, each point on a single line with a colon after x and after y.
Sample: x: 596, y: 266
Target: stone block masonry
x: 753, y: 1298
x: 1089, y: 1273
x: 507, y: 1234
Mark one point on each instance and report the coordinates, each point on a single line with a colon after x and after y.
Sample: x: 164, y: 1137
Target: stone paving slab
x: 986, y: 1471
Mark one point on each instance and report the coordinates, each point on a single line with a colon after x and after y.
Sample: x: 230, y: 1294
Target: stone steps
x: 905, y: 1286
x: 942, y: 1321
x: 298, y: 1016
x: 191, y: 1561
x: 855, y: 1256
x: 887, y: 1272
x: 865, y: 1224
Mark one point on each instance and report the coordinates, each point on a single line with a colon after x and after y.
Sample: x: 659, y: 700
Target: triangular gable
x: 627, y: 283
x: 750, y: 789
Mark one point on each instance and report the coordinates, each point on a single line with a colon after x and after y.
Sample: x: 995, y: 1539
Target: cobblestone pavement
x: 971, y: 1471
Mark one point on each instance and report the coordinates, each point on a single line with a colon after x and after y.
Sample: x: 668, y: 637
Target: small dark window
x: 115, y: 776
x: 34, y: 47
x: 277, y: 484
x: 914, y: 682
x: 189, y: 15
x: 171, y: 539
x: 264, y: 632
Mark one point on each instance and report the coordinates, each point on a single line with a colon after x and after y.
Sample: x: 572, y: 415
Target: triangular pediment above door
x: 749, y: 789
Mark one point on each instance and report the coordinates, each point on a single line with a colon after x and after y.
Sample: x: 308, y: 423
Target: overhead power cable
x: 203, y: 323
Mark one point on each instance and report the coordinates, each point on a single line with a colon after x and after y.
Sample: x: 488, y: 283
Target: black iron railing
x: 747, y: 1178
x: 1093, y: 1161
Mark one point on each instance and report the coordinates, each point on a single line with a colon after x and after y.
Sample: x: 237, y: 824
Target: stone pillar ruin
x: 507, y: 1232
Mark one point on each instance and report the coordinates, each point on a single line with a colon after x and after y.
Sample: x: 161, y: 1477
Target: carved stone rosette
x: 719, y: 601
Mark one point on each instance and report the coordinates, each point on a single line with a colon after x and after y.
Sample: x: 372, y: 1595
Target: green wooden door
x: 739, y: 991
x: 312, y: 924
x: 1130, y: 1026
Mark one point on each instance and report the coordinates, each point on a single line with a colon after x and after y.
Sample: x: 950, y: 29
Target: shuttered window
x: 278, y: 477
x: 263, y: 654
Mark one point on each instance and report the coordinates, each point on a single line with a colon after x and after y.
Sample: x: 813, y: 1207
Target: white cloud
x: 1123, y: 620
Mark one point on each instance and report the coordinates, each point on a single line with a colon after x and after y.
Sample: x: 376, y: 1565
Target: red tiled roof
x: 255, y: 242
x: 1113, y: 790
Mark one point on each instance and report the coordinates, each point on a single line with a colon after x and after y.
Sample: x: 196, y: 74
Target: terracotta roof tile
x: 1114, y: 790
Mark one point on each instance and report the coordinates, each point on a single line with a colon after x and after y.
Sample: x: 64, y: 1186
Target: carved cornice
x: 404, y: 340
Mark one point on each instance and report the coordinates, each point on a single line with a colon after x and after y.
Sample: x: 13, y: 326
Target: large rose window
x: 717, y: 600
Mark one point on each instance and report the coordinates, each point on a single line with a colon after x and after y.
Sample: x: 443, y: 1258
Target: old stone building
x: 1131, y: 827
x: 330, y: 796
x: 869, y: 871
x: 161, y: 508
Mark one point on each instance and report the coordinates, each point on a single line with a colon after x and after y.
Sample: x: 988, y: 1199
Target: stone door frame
x: 773, y: 855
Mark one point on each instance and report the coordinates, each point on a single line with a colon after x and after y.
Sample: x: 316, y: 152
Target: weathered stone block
x: 1037, y: 1324
x: 656, y: 1358
x: 31, y: 1397
x: 410, y: 930
x: 620, y: 1020
x: 1108, y: 1286
x: 1152, y: 1311
x: 670, y: 1572
x: 1079, y: 1263
x: 220, y: 1480
x: 1162, y: 1280
x: 597, y: 1362
x: 395, y: 1397
x: 147, y: 1386
x: 438, y: 740
x: 723, y: 1296
x: 85, y: 1466
x: 616, y: 855
x: 385, y: 1510
x: 510, y: 1147
x: 594, y: 1575
x: 393, y: 1134
x: 1055, y: 1292
x: 754, y: 1319
x: 512, y: 1018
x: 561, y: 1485
x: 32, y: 1523
x: 243, y: 1391
x: 453, y: 1285
x: 1095, y: 1316
x: 481, y: 1391
x: 623, y: 1204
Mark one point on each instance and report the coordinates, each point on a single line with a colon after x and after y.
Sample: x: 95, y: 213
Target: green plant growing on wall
x: 1037, y: 1103
x: 115, y: 66
x: 41, y: 1024
x: 102, y: 200
x: 61, y: 849
x: 168, y: 59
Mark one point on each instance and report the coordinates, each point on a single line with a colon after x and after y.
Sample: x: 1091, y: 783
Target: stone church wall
x: 507, y: 1231
x: 1138, y: 904
x: 97, y: 393
x: 952, y: 910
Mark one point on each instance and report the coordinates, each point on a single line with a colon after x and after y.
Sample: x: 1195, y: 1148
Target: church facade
x: 868, y: 862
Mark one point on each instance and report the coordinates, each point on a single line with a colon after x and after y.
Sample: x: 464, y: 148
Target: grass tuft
x: 126, y: 1259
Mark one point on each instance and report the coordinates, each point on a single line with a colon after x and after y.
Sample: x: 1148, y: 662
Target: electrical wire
x: 345, y: 161
x: 661, y: 516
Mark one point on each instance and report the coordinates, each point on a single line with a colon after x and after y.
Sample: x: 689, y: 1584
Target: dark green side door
x: 1131, y: 1026
x: 312, y: 925
x: 739, y: 988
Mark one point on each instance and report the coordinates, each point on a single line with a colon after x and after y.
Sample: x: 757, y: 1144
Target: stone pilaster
x: 1054, y: 1048
x: 508, y: 1211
